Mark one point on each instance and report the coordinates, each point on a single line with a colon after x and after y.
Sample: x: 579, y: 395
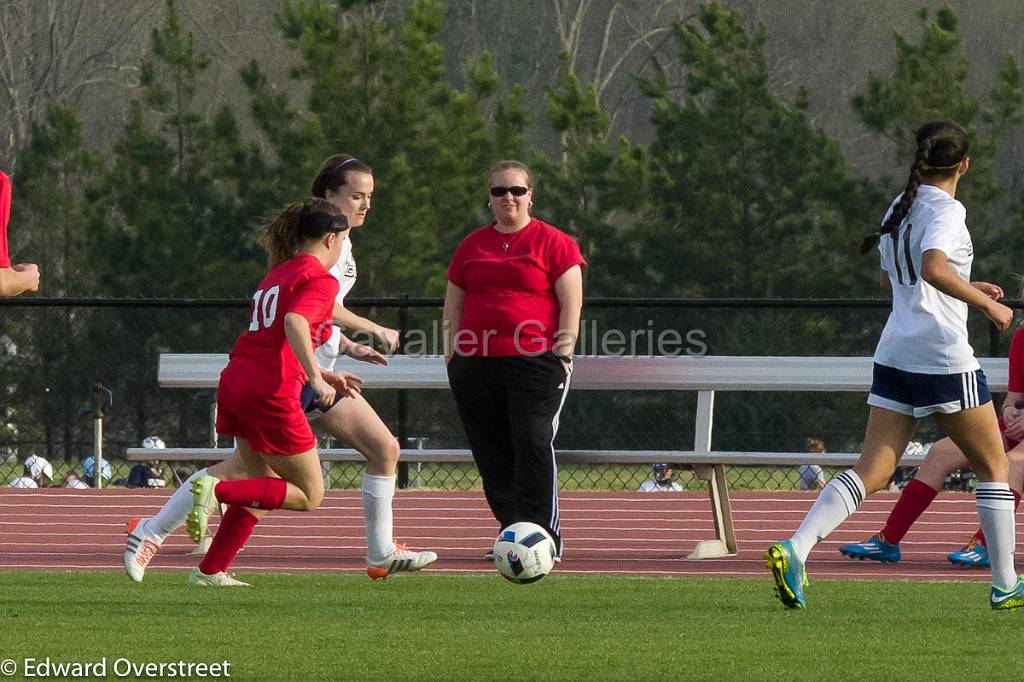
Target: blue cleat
x: 874, y: 548
x: 973, y: 555
x: 1010, y: 599
x: 788, y: 573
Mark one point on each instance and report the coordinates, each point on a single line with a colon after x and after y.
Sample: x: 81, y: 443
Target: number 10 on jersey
x: 264, y: 308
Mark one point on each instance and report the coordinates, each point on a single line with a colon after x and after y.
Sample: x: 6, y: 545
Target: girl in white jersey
x: 346, y: 183
x: 924, y: 366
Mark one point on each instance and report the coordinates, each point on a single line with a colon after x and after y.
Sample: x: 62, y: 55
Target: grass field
x: 427, y: 627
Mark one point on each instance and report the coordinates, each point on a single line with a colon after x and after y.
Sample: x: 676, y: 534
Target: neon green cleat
x: 788, y: 573
x: 204, y: 501
x: 1010, y: 599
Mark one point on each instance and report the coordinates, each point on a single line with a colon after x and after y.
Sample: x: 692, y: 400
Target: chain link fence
x: 54, y: 353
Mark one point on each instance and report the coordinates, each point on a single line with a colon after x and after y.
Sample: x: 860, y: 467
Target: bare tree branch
x: 54, y: 50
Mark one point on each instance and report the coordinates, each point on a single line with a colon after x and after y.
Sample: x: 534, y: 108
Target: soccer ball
x: 524, y: 553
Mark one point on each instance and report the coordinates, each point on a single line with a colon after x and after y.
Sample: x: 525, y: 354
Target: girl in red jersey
x: 22, y: 277
x: 258, y: 394
x: 511, y: 319
x: 347, y: 184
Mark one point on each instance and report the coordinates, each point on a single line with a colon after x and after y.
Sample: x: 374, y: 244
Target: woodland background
x: 695, y: 151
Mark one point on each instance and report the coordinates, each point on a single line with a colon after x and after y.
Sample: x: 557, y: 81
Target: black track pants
x: 509, y: 407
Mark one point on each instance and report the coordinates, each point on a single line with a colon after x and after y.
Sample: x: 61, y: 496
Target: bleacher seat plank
x: 706, y: 375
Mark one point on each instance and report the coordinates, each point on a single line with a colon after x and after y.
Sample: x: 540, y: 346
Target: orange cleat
x: 139, y: 549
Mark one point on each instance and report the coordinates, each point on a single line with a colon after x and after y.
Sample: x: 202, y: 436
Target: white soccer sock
x: 175, y: 510
x: 995, y: 511
x: 836, y: 502
x: 378, y: 492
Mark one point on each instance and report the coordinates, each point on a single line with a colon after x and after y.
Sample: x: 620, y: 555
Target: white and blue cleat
x: 874, y: 548
x: 972, y: 555
x: 1008, y: 599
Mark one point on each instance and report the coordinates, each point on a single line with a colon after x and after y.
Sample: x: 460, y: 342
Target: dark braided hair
x: 941, y: 148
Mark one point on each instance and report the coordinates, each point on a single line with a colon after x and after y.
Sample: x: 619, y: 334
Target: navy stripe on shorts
x: 919, y: 395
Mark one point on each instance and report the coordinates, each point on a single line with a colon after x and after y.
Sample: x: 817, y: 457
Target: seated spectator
x: 89, y: 471
x: 38, y: 473
x: 71, y: 480
x: 148, y: 474
x: 663, y: 481
x: 812, y: 476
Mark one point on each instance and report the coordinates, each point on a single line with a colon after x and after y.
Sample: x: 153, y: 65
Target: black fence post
x: 403, y: 397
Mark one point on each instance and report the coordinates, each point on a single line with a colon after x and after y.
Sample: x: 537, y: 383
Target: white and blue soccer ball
x: 524, y: 553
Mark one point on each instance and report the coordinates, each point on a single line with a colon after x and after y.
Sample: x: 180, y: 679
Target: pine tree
x: 930, y: 81
x: 52, y: 184
x: 55, y: 170
x: 594, y: 188
x: 172, y: 215
x: 175, y: 212
x: 748, y: 198
x: 378, y: 90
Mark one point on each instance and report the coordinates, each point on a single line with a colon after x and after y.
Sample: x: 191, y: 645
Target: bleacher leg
x: 718, y: 490
x: 724, y: 543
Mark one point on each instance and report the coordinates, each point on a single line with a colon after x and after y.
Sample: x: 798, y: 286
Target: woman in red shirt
x: 258, y: 393
x: 511, y: 319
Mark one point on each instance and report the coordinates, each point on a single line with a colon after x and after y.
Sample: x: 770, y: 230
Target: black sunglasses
x: 516, y: 191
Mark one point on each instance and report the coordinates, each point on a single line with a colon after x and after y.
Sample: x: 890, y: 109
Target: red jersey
x: 5, y: 215
x: 300, y: 285
x: 1016, y: 380
x: 510, y: 306
x: 258, y: 394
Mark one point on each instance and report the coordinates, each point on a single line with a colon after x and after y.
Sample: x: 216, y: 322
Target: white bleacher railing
x: 705, y: 375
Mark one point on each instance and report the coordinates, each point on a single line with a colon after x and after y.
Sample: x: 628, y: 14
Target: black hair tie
x: 318, y: 223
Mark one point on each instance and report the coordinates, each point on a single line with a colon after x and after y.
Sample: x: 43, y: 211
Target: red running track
x: 605, y: 533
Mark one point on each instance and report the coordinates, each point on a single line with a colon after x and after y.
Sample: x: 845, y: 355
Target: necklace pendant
x: 504, y: 246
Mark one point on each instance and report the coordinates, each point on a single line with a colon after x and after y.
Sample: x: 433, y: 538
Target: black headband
x: 318, y: 223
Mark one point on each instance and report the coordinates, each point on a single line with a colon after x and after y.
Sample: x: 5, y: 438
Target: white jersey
x: 812, y: 477
x: 655, y: 487
x: 23, y: 482
x: 345, y: 272
x: 927, y: 330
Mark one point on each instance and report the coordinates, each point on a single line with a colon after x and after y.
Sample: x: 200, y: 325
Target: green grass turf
x: 434, y: 627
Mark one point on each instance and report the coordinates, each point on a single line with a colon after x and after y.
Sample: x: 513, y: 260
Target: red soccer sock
x: 259, y: 493
x: 913, y: 501
x: 980, y: 537
x: 235, y: 529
